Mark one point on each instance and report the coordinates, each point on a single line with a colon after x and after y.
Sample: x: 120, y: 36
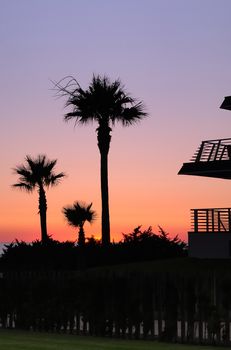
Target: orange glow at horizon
x: 138, y: 196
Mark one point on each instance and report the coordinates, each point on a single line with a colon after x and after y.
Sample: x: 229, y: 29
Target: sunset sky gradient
x: 175, y: 55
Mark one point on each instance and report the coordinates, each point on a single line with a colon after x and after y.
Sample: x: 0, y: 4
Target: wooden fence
x: 165, y: 301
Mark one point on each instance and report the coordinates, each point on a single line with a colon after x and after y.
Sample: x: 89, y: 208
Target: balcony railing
x: 211, y: 220
x: 213, y: 150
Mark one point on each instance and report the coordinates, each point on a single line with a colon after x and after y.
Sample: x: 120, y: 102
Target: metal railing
x: 211, y: 220
x: 213, y: 150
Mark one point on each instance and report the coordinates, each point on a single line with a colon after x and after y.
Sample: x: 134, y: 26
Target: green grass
x: 17, y: 340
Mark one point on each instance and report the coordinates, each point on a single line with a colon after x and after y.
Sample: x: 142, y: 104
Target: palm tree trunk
x: 105, y: 200
x: 43, y: 214
x: 104, y: 138
x: 81, y: 238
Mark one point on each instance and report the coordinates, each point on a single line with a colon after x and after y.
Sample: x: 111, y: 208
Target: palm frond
x: 71, y: 217
x: 102, y: 100
x: 78, y: 213
x: 37, y: 171
x: 22, y: 171
x: 54, y: 179
x: 133, y: 114
x: 64, y: 86
x: 24, y: 186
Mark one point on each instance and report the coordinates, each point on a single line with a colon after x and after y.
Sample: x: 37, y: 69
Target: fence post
x: 212, y: 218
x: 198, y: 158
x: 219, y: 221
x: 217, y: 150
x: 229, y: 220
x: 195, y: 220
x: 211, y: 152
x: 207, y: 220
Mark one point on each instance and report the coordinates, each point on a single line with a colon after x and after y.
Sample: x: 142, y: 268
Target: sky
x: 174, y: 55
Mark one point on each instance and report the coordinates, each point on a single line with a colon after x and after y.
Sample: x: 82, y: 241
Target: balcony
x: 212, y: 159
x: 211, y: 220
x: 210, y: 236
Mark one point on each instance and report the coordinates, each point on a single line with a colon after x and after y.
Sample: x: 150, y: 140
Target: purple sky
x: 175, y: 55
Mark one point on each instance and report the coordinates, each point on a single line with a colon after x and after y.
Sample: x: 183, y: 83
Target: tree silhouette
x: 77, y: 215
x: 37, y: 174
x: 106, y: 103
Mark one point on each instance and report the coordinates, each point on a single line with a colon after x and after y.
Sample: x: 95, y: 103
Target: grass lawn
x: 17, y: 340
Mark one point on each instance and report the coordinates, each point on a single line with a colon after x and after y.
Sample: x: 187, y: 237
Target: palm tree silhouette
x: 77, y: 215
x: 37, y: 174
x: 106, y: 103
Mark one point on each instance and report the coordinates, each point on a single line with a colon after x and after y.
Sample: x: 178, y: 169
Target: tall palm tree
x: 106, y: 103
x: 77, y: 215
x: 37, y: 174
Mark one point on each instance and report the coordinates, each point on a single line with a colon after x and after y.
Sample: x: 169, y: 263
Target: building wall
x: 211, y: 245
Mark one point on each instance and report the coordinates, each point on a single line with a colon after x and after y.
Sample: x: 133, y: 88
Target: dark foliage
x: 136, y: 246
x: 146, y: 245
x: 63, y: 287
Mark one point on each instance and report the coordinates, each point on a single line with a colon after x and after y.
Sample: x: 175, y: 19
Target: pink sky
x: 173, y: 55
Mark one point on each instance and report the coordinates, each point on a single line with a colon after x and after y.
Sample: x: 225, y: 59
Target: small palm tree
x: 105, y: 103
x: 37, y: 174
x: 77, y: 215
